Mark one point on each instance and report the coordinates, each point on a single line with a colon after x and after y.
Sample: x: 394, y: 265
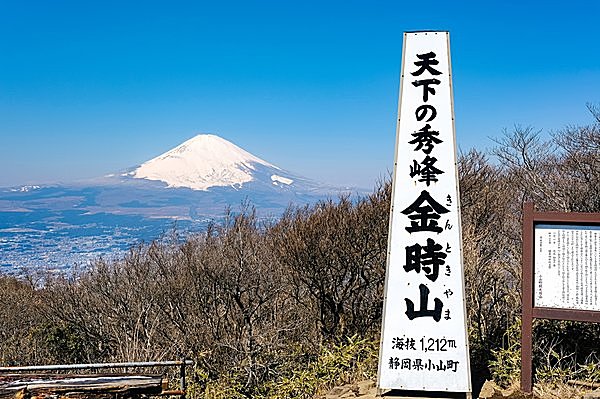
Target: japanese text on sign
x: 567, y: 267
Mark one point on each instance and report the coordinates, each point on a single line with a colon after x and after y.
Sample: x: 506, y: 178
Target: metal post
x: 182, y: 378
x: 93, y: 366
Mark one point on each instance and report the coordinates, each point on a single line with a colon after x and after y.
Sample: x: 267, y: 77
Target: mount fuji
x: 54, y: 227
x: 207, y: 161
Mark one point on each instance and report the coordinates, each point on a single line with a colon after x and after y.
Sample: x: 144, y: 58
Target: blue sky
x: 88, y: 88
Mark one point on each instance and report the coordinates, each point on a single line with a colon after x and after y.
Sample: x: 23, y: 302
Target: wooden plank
x: 125, y: 384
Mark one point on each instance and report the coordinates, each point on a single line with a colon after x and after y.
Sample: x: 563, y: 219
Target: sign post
x: 561, y: 273
x: 424, y: 345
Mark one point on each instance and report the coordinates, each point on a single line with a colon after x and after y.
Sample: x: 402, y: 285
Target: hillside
x: 292, y: 309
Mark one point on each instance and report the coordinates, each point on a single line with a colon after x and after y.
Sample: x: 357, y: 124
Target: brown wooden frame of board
x: 530, y: 219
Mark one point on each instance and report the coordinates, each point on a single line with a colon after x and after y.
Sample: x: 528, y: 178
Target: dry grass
x: 543, y: 390
x: 559, y: 391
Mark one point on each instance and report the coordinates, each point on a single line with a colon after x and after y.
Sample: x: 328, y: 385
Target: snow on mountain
x: 206, y: 161
x: 280, y: 179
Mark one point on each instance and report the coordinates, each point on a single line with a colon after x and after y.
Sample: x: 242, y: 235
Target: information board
x: 560, y: 273
x: 567, y: 259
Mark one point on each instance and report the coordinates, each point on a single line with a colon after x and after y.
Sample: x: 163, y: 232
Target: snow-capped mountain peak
x: 205, y: 161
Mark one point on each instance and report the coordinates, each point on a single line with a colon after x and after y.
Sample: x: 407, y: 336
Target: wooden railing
x: 24, y: 381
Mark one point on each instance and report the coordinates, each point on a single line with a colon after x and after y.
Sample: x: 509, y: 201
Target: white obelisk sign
x: 424, y: 338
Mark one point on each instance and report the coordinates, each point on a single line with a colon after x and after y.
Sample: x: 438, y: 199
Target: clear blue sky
x: 88, y: 88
